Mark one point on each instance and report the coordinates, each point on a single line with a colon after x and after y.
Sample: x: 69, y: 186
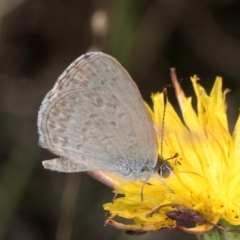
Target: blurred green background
x: 40, y: 38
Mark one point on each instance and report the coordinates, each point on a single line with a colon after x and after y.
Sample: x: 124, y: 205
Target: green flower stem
x: 216, y: 234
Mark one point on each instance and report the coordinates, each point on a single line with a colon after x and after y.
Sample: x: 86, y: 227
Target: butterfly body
x: 94, y: 118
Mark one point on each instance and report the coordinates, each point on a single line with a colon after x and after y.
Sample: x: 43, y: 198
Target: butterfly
x: 94, y: 118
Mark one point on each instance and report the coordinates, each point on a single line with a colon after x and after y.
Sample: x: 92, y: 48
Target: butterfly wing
x: 95, y: 116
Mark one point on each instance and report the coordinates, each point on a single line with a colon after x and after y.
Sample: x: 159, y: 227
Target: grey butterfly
x: 94, y: 118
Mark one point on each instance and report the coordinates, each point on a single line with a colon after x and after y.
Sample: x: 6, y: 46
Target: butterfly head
x: 165, y: 170
x: 163, y: 167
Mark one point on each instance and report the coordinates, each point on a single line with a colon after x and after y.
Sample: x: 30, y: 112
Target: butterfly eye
x: 165, y: 170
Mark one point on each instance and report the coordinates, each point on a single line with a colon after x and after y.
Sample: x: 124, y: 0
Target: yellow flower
x: 205, y: 185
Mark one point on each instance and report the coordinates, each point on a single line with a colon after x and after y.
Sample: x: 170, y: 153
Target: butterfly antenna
x: 163, y: 119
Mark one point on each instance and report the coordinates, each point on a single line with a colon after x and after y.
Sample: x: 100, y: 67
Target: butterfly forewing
x: 95, y: 116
